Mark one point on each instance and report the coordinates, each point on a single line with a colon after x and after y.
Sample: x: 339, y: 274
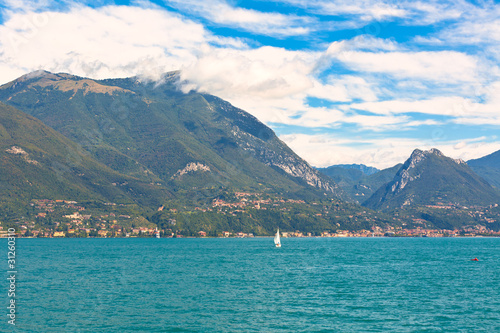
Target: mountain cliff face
x: 260, y: 142
x: 153, y: 132
x: 488, y: 167
x: 430, y: 178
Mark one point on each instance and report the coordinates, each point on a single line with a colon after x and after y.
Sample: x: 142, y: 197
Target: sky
x: 363, y: 81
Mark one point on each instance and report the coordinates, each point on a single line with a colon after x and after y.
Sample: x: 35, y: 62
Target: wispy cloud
x: 367, y: 10
x: 444, y: 66
x: 222, y: 13
x: 381, y: 152
x: 484, y: 31
x: 343, y: 88
x: 24, y: 5
x: 431, y: 12
x: 483, y: 103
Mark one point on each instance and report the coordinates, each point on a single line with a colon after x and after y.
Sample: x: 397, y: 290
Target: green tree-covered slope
x: 37, y: 162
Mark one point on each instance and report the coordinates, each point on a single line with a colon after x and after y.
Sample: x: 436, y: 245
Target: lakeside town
x: 154, y: 232
x: 70, y: 219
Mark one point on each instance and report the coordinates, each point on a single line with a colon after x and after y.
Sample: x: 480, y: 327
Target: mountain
x: 191, y: 161
x: 488, y: 167
x: 37, y: 162
x: 367, y: 170
x: 428, y: 178
x: 359, y: 181
x: 193, y: 144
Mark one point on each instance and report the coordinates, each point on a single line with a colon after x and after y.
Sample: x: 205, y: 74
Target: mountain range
x: 367, y: 170
x: 430, y: 178
x: 155, y: 133
x: 488, y: 167
x: 130, y: 141
x: 147, y: 145
x: 359, y: 181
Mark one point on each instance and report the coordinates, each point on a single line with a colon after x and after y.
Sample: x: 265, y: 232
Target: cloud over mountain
x: 365, y: 71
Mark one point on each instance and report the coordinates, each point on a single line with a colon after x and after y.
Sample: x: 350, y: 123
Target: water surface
x: 248, y: 285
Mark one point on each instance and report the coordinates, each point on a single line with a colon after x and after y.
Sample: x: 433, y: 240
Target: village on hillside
x: 68, y: 218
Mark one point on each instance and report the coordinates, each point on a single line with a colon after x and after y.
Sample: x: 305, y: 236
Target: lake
x: 248, y: 285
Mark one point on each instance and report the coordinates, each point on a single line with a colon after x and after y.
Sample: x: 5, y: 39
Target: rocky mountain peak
x: 62, y: 82
x: 45, y: 75
x: 417, y: 157
x: 420, y: 155
x: 429, y: 178
x: 436, y: 152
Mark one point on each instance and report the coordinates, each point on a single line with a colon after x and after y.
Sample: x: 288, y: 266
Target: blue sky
x: 339, y: 81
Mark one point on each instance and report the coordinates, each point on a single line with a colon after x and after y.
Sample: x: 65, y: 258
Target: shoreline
x: 304, y: 237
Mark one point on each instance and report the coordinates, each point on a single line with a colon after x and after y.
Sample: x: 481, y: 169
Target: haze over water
x: 248, y: 285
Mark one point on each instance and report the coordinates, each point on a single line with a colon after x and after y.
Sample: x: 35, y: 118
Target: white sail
x: 277, y: 241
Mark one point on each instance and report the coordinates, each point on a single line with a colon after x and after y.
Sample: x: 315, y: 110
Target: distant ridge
x: 367, y: 170
x: 359, y: 184
x: 488, y: 167
x: 430, y: 178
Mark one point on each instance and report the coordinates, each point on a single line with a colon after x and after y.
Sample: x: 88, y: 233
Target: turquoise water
x: 248, y: 285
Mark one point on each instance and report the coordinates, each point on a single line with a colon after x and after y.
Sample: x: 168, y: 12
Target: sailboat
x: 277, y: 240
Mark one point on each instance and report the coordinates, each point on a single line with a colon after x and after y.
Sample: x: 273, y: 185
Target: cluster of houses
x: 80, y: 223
x: 469, y: 231
x: 112, y: 231
x: 118, y: 231
x: 246, y: 200
x: 49, y: 206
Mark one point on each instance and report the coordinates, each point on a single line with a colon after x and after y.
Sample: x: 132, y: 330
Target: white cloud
x: 367, y: 10
x: 460, y: 109
x: 478, y: 24
x: 24, y: 5
x: 272, y: 24
x: 343, y: 88
x: 426, y: 13
x: 428, y: 40
x: 478, y: 121
x: 324, y: 150
x: 441, y: 66
x: 474, y: 32
x: 109, y: 41
x: 375, y: 13
x: 371, y: 43
x: 266, y: 72
x: 449, y: 106
x: 330, y: 91
x: 271, y: 83
x: 378, y: 123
